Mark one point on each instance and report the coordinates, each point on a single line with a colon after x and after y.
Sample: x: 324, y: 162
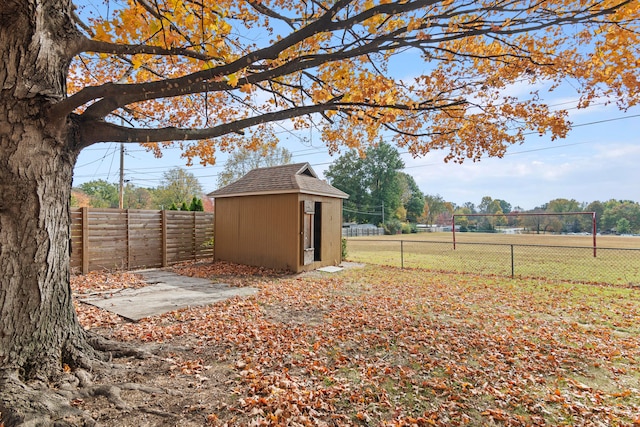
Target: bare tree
x: 242, y: 161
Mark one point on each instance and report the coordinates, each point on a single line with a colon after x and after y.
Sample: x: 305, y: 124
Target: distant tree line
x: 381, y: 194
x: 612, y: 216
x: 178, y: 190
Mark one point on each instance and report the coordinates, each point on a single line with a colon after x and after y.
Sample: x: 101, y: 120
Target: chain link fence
x: 571, y: 263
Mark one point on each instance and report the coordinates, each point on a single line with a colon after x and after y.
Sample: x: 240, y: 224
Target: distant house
x: 280, y: 217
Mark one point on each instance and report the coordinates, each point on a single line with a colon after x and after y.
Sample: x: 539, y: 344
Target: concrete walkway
x: 166, y: 292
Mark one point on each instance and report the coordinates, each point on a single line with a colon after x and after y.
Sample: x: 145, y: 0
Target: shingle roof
x: 293, y: 178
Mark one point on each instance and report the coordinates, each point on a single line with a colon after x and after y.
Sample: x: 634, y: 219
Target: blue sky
x: 599, y: 160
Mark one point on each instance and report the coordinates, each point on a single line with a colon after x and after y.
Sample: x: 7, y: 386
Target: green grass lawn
x: 617, y: 259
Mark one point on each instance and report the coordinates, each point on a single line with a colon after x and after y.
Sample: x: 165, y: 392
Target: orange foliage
x: 223, y: 71
x: 208, y: 205
x: 80, y: 199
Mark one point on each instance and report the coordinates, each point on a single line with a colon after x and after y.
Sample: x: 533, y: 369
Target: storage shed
x: 280, y: 217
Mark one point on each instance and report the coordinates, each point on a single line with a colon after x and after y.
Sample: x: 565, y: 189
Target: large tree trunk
x: 39, y: 330
x: 37, y: 318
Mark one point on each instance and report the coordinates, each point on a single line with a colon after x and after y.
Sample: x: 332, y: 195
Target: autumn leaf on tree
x: 470, y: 56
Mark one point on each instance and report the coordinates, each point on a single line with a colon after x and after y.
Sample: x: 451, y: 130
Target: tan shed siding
x: 258, y: 230
x: 226, y: 229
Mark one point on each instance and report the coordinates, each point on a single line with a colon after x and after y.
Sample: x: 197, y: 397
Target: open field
x: 383, y: 346
x: 617, y: 259
x: 607, y: 241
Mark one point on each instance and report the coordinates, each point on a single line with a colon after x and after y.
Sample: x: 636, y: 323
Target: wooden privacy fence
x: 129, y: 239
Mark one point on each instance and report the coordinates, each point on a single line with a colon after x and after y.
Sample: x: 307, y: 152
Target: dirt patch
x: 174, y: 388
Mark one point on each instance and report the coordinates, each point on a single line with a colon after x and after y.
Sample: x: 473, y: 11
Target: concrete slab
x: 330, y: 269
x: 166, y: 292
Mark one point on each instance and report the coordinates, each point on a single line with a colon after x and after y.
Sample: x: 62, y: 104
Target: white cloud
x: 585, y: 173
x: 617, y: 151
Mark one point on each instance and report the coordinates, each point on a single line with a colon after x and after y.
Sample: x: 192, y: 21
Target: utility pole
x: 122, y: 79
x: 121, y: 192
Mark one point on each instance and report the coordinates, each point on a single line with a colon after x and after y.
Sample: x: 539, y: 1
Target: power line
x: 305, y: 152
x: 362, y: 213
x: 544, y: 148
x: 606, y: 120
x: 512, y: 153
x: 99, y: 159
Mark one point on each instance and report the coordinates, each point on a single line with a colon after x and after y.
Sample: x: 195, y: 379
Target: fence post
x: 85, y: 240
x: 163, y: 220
x: 193, y: 237
x: 401, y: 253
x: 512, y: 264
x: 453, y: 230
x: 595, y: 232
x: 127, y: 219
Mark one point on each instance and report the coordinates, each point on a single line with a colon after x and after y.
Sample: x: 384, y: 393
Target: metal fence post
x: 512, y: 264
x: 401, y: 253
x: 595, y: 232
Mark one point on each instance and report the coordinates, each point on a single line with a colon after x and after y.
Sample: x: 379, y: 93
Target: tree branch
x: 93, y: 131
x: 260, y: 8
x: 162, y: 89
x: 89, y: 45
x: 160, y: 17
x: 111, y: 97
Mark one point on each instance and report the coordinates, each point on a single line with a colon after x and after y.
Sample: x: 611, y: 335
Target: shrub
x: 409, y: 227
x: 344, y: 249
x: 393, y: 226
x: 196, y: 205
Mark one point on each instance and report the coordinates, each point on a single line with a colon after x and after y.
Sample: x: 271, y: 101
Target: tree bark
x: 37, y: 318
x: 39, y: 330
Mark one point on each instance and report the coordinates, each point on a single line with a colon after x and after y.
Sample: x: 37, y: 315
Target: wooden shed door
x: 308, y: 211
